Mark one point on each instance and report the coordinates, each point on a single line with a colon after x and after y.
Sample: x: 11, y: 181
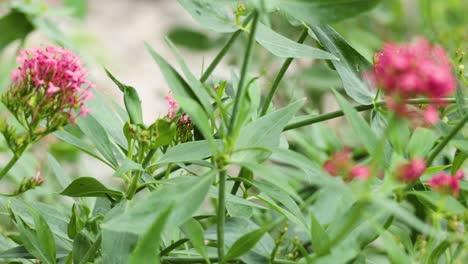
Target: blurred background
x: 111, y: 34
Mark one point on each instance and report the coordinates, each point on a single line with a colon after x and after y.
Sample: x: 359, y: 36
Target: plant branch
x: 221, y: 214
x: 279, y: 77
x: 360, y: 108
x: 243, y: 73
x: 446, y: 140
x: 222, y: 53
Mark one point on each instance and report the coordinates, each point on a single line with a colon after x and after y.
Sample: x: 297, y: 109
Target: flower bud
x: 412, y: 170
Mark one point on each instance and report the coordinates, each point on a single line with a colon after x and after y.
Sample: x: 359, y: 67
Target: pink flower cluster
x: 55, y: 74
x: 446, y: 183
x: 412, y: 170
x: 172, y: 109
x: 341, y: 163
x: 414, y: 69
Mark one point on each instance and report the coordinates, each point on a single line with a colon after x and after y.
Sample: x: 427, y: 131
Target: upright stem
x: 9, y: 165
x: 446, y: 140
x: 279, y: 77
x: 221, y: 213
x: 245, y: 65
x: 319, y: 118
x: 220, y: 56
x: 222, y: 53
x: 13, y: 160
x: 133, y: 186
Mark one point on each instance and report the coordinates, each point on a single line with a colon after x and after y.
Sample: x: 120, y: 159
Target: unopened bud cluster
x: 30, y: 183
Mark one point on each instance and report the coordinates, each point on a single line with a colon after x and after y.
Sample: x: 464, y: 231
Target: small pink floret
x: 412, y: 170
x: 446, y: 183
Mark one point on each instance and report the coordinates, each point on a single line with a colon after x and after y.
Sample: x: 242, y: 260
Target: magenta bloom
x: 446, y: 183
x: 360, y: 172
x: 412, y: 170
x: 49, y: 84
x: 172, y: 109
x: 414, y: 69
x: 342, y: 164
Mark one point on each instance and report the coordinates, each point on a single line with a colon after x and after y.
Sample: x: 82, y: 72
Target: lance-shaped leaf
x: 319, y: 11
x: 351, y: 64
x: 131, y: 99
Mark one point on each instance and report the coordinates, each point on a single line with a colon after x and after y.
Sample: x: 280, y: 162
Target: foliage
x: 228, y: 176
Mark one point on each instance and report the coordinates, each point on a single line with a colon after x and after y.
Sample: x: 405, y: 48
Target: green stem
x: 14, y: 159
x: 133, y: 186
x: 360, y: 108
x: 243, y: 73
x: 173, y: 246
x: 9, y: 165
x: 446, y: 140
x: 220, y: 56
x: 222, y: 53
x: 221, y: 215
x: 279, y: 77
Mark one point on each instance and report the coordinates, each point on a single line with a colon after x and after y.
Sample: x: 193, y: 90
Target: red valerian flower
x: 446, y: 183
x: 50, y: 84
x: 412, y: 170
x: 341, y: 164
x: 409, y: 70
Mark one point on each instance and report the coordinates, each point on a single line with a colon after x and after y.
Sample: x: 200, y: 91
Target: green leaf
x: 359, y: 125
x: 117, y: 246
x: 458, y: 161
x: 421, y: 142
x: 194, y: 231
x: 62, y: 178
x: 188, y: 37
x: 351, y: 64
x: 89, y: 187
x: 264, y: 132
x: 100, y: 138
x: 80, y: 144
x: 187, y: 97
x: 39, y: 241
x: 209, y: 14
x: 76, y: 223
x: 177, y: 84
x: 79, y: 7
x: 244, y: 244
x: 445, y: 203
x: 234, y: 229
x: 460, y: 144
x: 196, y: 86
x: 186, y: 194
x: 235, y: 199
x: 56, y: 219
x: 438, y: 251
x: 165, y: 131
x: 131, y: 99
x: 147, y: 248
x: 320, y: 239
x: 108, y: 117
x: 127, y: 165
x: 186, y: 152
x: 81, y: 245
x: 20, y: 252
x: 15, y: 25
x: 320, y: 12
x: 395, y: 252
x: 283, y: 47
